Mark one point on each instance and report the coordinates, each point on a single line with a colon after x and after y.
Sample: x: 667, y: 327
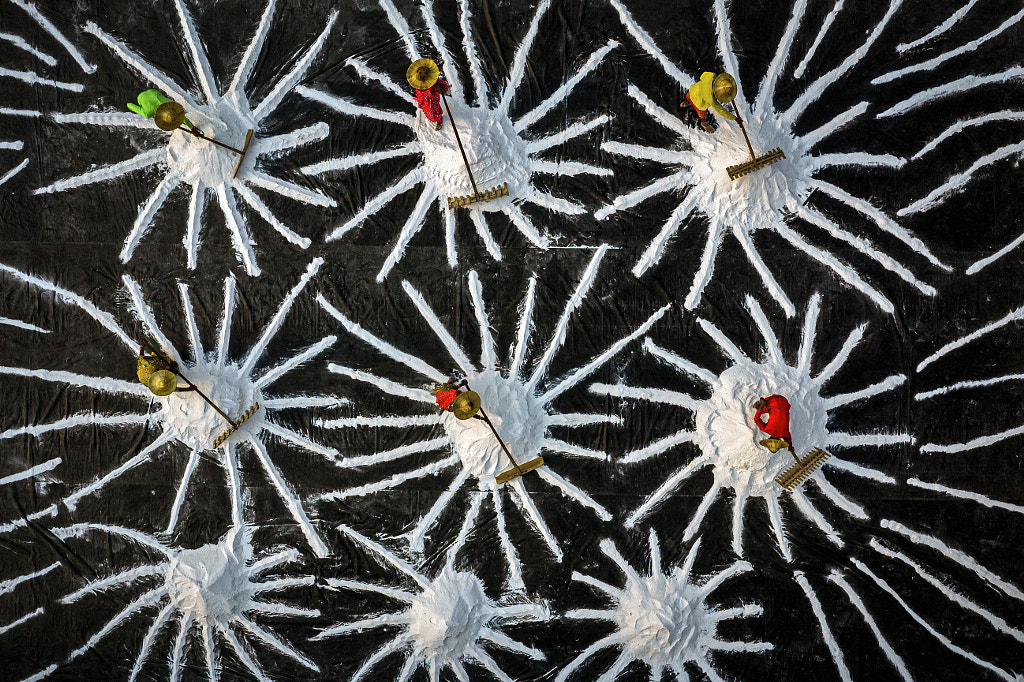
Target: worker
x: 149, y: 101
x: 428, y: 87
x: 776, y: 409
x: 711, y: 92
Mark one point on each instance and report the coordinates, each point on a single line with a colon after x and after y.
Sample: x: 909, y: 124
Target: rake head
x: 234, y: 427
x: 493, y: 193
x: 741, y: 169
x: 245, y: 148
x: 506, y: 476
x: 795, y: 475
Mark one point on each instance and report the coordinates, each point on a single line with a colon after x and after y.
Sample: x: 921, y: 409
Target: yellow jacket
x: 702, y: 98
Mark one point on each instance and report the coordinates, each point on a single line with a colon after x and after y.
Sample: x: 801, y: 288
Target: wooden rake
x: 796, y: 474
x: 477, y: 196
x: 756, y: 162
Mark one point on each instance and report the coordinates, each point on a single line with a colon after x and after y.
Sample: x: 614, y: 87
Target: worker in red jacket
x: 776, y: 409
x: 424, y: 76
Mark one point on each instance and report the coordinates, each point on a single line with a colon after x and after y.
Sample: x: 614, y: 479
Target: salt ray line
x: 485, y: 234
x: 447, y: 64
x: 569, y: 168
x: 179, y: 497
x: 940, y: 29
x: 778, y: 525
x: 27, y: 617
x: 738, y: 612
x: 826, y: 632
x: 956, y: 555
x: 17, y: 145
x: 701, y: 511
x: 821, y: 132
x: 612, y: 592
x: 6, y: 111
x: 147, y: 213
x: 431, y: 469
x: 304, y: 401
x: 818, y: 87
x: 612, y: 552
x: 289, y: 498
x: 659, y: 186
x: 33, y: 78
x: 707, y: 265
x: 656, y: 249
x: 766, y: 91
x: 837, y: 498
x: 770, y: 283
x: 145, y: 315
x: 359, y: 626
x: 609, y: 640
x: 147, y: 643
x: 985, y: 262
x: 80, y: 419
x: 252, y: 51
x: 969, y: 46
x: 842, y: 356
x: 617, y: 666
x: 680, y: 363
x: 648, y: 45
x: 385, y: 385
x: 655, y: 549
x: 956, y: 87
x: 9, y: 585
x: 865, y: 247
x: 815, y: 516
x: 382, y: 553
x: 401, y: 27
x: 196, y: 206
x: 525, y: 503
x: 469, y: 47
x: 724, y: 31
x: 194, y: 339
x: 669, y: 157
x: 71, y: 501
x: 419, y: 533
x: 118, y: 580
x: 859, y: 604
x: 858, y: 470
x: 150, y: 598
x: 560, y: 95
x: 761, y: 320
x: 920, y: 621
x: 518, y: 69
x: 526, y: 226
x: 524, y: 328
x: 949, y: 593
x: 515, y: 569
x: 845, y: 273
x: 273, y: 561
x: 500, y: 639
x: 283, y: 610
x: 371, y: 207
x: 750, y: 647
x: 238, y: 229
x: 288, y: 189
x: 129, y: 57
x: 887, y: 384
x: 288, y: 365
x: 966, y: 495
x: 288, y: 82
x: 31, y: 472
x: 359, y: 160
x: 411, y: 662
x: 738, y: 506
x: 958, y: 181
x: 224, y: 331
x: 1014, y: 316
x: 48, y: 26
x: 143, y: 160
x: 573, y: 492
x: 20, y: 43
x: 234, y: 485
x: 343, y: 106
x: 830, y: 18
x: 657, y: 447
x: 290, y: 436
x: 974, y: 443
x: 553, y: 203
x: 534, y: 147
x: 242, y: 654
x: 22, y: 325
x: 108, y: 119
x: 202, y: 65
x: 561, y: 327
x: 410, y: 361
x: 589, y: 614
x: 438, y: 328
x: 184, y: 625
x: 962, y: 125
x: 367, y: 73
x: 850, y: 440
x: 378, y: 422
x: 655, y: 395
x: 467, y: 528
x: 859, y: 159
x: 449, y: 236
x: 275, y: 323
x: 104, y: 384
x: 488, y: 663
x: 23, y: 522
x: 807, y: 334
x: 557, y: 445
x: 254, y: 202
x: 392, y: 592
x: 665, y: 488
x: 14, y: 171
x: 884, y: 222
x: 586, y: 370
x: 413, y: 224
x: 724, y: 343
x: 209, y: 650
x: 274, y: 642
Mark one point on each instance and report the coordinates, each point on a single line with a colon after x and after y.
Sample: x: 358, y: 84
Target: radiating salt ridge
x: 444, y: 622
x: 498, y: 147
x: 234, y: 384
x: 518, y: 401
x: 826, y: 632
x: 661, y: 619
x: 48, y: 26
x: 858, y: 603
x: 727, y: 438
x: 207, y: 168
x: 215, y: 592
x: 770, y: 198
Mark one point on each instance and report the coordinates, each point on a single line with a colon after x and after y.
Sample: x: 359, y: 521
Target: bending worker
x: 711, y: 92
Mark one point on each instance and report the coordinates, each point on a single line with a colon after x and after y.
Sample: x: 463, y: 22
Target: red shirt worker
x: 776, y: 409
x: 424, y: 76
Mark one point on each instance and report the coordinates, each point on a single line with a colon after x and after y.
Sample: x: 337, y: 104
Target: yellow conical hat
x: 422, y: 74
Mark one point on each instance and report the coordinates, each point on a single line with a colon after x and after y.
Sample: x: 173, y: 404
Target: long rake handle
x: 195, y: 131
x: 192, y: 386
x: 465, y: 159
x: 743, y: 129
x: 503, y: 446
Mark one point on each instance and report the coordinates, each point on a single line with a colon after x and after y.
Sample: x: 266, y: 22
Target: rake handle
x: 192, y: 387
x: 483, y: 415
x: 465, y: 159
x: 743, y: 129
x: 195, y: 131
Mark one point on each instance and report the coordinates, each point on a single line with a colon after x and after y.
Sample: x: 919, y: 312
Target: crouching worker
x: 711, y: 92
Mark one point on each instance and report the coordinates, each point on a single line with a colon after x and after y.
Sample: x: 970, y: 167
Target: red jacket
x: 430, y: 100
x: 777, y: 410
x: 444, y: 399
